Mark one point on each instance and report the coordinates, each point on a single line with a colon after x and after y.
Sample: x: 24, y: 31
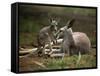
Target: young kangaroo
x: 46, y: 36
x: 73, y: 42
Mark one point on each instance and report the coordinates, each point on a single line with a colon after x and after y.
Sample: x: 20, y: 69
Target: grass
x: 70, y: 62
x: 87, y: 61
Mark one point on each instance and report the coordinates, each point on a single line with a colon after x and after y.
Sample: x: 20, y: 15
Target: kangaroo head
x: 53, y: 24
x: 66, y: 28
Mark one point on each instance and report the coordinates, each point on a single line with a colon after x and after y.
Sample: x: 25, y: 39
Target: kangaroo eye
x: 61, y: 31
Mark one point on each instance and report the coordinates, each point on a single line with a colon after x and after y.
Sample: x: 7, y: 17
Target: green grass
x: 71, y: 62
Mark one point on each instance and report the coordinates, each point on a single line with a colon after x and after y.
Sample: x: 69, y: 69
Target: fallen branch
x: 27, y: 50
x: 57, y: 55
x: 40, y: 64
x: 24, y: 51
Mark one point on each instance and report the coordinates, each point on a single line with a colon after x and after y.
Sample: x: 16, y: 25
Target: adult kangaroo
x: 47, y: 35
x: 73, y: 42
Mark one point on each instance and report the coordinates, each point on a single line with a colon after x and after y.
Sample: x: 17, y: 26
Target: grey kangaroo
x: 73, y: 42
x: 46, y: 36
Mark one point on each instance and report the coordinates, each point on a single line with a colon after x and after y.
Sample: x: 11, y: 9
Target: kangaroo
x: 73, y: 42
x: 47, y: 35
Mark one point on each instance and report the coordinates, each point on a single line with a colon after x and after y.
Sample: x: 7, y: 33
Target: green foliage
x: 27, y: 25
x: 81, y: 11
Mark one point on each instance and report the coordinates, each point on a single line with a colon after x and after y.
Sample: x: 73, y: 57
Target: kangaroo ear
x: 70, y: 23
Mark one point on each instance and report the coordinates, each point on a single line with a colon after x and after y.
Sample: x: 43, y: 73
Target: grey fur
x: 47, y: 35
x: 74, y: 42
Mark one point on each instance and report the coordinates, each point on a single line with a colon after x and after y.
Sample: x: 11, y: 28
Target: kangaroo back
x: 82, y: 42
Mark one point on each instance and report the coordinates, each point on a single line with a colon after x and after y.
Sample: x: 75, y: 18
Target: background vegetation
x: 33, y: 18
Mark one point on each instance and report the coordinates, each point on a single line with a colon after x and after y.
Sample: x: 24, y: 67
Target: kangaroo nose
x: 54, y: 23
